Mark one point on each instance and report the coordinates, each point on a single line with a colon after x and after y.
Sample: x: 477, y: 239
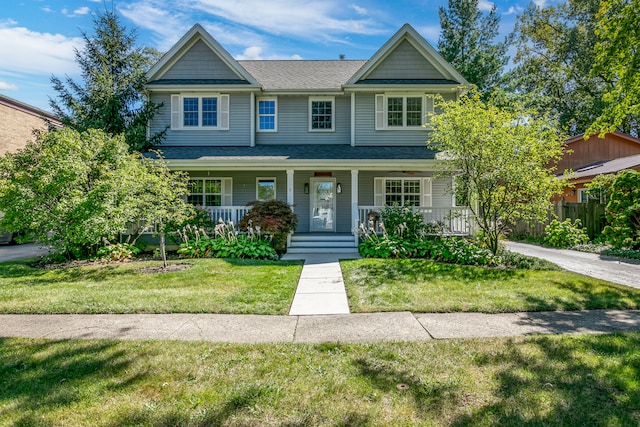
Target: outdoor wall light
x: 339, y: 188
x: 306, y: 188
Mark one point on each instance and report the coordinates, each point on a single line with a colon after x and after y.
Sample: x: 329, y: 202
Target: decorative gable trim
x: 196, y: 33
x: 407, y: 32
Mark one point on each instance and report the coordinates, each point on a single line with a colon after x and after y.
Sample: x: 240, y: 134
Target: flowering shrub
x: 438, y: 248
x: 227, y: 242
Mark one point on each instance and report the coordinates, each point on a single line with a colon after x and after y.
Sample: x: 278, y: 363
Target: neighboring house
x: 588, y: 158
x: 336, y: 139
x: 18, y: 121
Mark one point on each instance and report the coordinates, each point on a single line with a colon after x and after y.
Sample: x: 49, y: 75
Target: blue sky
x: 37, y: 37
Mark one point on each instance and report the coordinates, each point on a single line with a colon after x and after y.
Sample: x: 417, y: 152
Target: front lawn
x: 208, y: 286
x: 553, y: 380
x: 425, y: 286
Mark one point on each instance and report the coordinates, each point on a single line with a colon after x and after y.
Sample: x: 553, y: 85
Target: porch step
x: 319, y: 243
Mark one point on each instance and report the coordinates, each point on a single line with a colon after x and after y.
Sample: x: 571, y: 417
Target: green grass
x: 424, y: 286
x: 209, y: 286
x: 568, y: 381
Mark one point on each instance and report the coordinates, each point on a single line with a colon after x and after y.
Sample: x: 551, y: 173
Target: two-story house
x: 335, y: 139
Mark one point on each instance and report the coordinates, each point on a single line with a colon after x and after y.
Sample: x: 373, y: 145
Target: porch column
x: 290, y: 189
x: 355, y: 216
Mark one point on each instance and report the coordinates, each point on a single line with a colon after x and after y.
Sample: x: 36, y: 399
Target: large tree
x: 501, y: 156
x: 617, y: 59
x: 111, y: 94
x: 75, y: 190
x: 468, y: 42
x: 555, y: 54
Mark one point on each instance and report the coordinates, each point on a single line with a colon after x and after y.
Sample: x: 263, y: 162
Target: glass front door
x: 323, y: 204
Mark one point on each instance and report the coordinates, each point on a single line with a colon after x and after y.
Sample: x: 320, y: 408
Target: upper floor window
x: 321, y: 114
x: 267, y: 115
x: 191, y: 111
x: 402, y: 111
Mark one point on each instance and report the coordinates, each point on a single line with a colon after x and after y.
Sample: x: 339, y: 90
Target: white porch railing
x: 454, y: 221
x: 227, y: 213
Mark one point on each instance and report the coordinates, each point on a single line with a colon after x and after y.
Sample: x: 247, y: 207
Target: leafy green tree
x: 623, y: 211
x: 75, y: 191
x: 555, y: 53
x: 467, y: 41
x: 111, y: 94
x: 502, y: 156
x: 617, y: 59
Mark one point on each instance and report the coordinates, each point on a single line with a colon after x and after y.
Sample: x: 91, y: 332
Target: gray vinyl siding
x: 405, y: 62
x: 244, y: 183
x: 293, y: 123
x: 239, y: 132
x: 200, y: 62
x: 367, y: 135
x: 441, y: 192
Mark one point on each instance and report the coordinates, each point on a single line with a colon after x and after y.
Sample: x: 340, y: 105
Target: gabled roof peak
x: 197, y: 32
x: 407, y: 32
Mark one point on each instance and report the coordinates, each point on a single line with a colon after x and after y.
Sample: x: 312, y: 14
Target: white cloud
x: 513, y: 10
x: 7, y: 86
x: 359, y: 10
x: 540, y: 3
x: 46, y: 9
x: 78, y: 12
x: 167, y: 25
x: 252, y: 52
x: 313, y: 19
x: 36, y: 53
x: 485, y: 5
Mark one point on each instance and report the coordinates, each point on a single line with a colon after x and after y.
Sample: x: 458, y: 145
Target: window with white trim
x: 195, y: 111
x: 321, y: 114
x: 402, y: 111
x: 267, y: 115
x: 265, y: 189
x: 209, y: 192
x: 402, y: 191
x: 583, y: 195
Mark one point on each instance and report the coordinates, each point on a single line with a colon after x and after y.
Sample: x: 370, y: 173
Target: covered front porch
x: 332, y: 188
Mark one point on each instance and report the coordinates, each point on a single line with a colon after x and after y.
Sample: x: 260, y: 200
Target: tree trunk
x: 163, y: 252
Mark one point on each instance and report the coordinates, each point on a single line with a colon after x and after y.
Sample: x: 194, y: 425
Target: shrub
x: 565, y: 234
x: 273, y: 217
x: 623, y: 211
x: 120, y: 252
x: 401, y: 220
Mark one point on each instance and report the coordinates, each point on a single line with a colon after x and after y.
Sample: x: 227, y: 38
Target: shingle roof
x: 298, y: 152
x: 302, y: 75
x: 611, y: 166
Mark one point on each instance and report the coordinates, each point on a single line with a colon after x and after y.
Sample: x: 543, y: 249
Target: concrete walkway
x: 374, y: 327
x: 616, y: 270
x: 321, y: 287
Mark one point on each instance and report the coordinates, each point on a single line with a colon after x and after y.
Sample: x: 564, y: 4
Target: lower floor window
x: 403, y: 192
x: 205, y: 192
x: 265, y: 189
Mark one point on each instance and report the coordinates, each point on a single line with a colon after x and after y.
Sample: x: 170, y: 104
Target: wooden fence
x: 592, y: 216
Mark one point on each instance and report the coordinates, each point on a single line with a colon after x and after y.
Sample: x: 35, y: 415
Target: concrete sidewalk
x: 373, y: 327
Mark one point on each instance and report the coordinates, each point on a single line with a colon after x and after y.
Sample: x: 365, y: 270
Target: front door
x: 323, y: 204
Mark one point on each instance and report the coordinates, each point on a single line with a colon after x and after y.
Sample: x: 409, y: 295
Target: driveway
x: 17, y: 252
x: 616, y: 270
